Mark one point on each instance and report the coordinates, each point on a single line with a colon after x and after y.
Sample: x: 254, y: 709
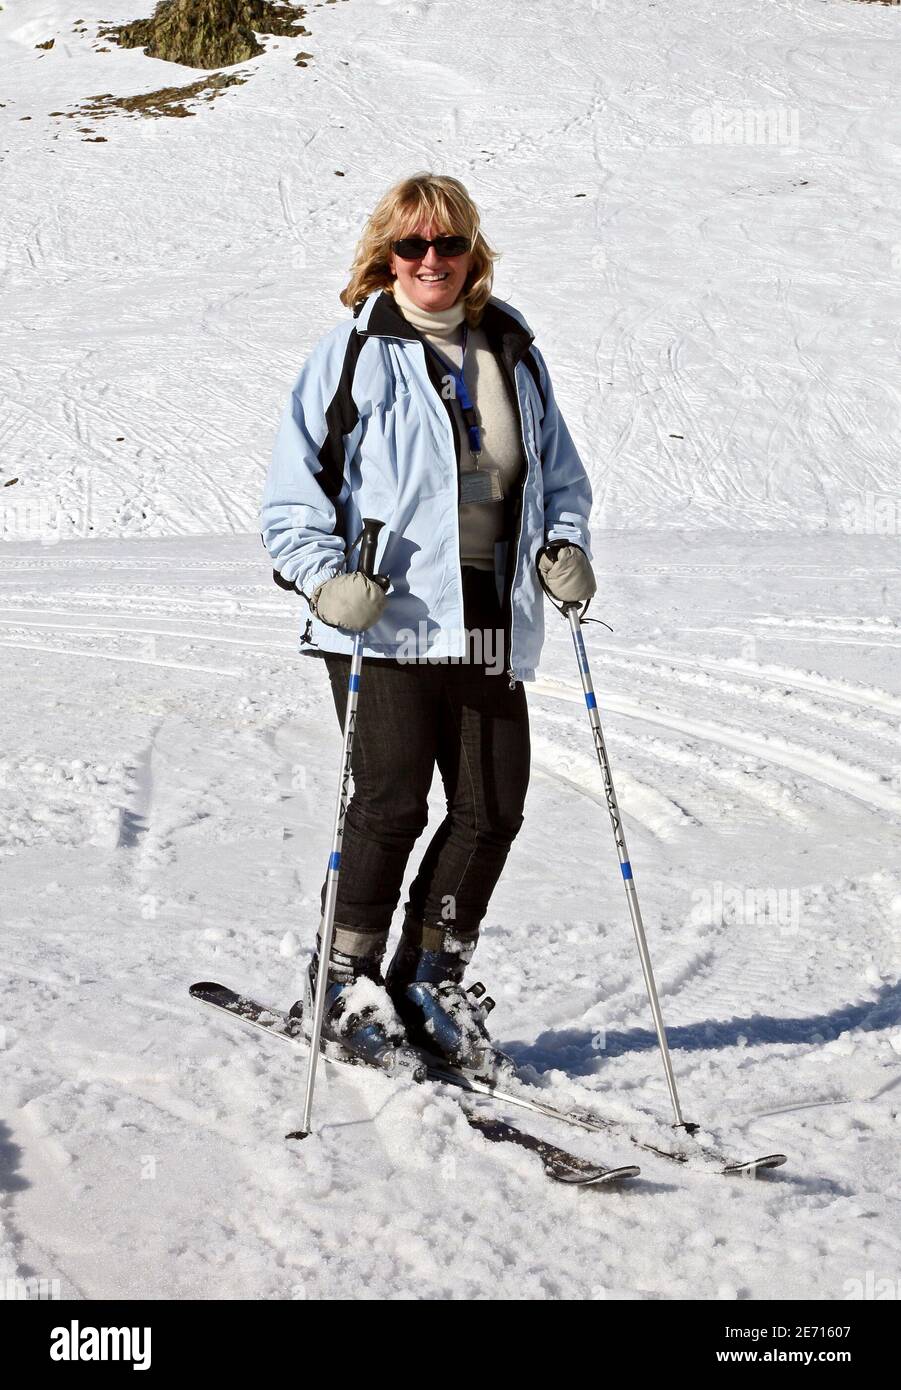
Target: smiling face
x: 434, y: 282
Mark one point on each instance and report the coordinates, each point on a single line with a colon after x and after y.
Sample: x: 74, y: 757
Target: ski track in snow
x: 720, y: 326
x: 716, y: 373
x: 183, y: 836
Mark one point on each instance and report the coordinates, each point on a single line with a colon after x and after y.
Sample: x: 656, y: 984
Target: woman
x: 433, y: 411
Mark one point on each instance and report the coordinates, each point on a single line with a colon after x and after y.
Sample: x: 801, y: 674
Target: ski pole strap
x: 367, y: 540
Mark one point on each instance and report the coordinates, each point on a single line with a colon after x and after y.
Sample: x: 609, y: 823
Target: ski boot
x: 445, y: 1020
x: 359, y: 1022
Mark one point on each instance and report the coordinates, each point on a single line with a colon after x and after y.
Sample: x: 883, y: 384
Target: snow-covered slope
x: 165, y: 803
x: 168, y: 762
x: 698, y: 209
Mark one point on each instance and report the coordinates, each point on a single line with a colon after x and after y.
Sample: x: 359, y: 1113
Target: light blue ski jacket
x: 368, y: 433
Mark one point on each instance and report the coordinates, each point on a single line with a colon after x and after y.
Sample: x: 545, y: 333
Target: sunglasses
x: 413, y: 248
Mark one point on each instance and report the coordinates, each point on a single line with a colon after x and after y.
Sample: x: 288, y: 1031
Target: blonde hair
x: 435, y: 198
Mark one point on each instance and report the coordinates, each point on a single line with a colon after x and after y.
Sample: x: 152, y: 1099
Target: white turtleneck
x: 443, y: 326
x: 481, y: 523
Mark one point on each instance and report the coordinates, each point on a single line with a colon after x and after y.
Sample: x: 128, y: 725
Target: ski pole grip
x: 368, y: 544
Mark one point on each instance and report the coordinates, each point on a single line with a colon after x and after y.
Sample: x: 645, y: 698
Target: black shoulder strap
x: 534, y: 370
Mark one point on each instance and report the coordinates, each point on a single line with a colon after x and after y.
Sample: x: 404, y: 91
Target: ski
x: 691, y: 1155
x: 694, y: 1154
x: 559, y: 1164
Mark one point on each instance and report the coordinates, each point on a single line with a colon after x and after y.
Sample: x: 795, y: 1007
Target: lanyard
x: 467, y: 409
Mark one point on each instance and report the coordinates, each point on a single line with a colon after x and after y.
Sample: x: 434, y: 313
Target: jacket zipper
x: 513, y: 563
x: 455, y: 440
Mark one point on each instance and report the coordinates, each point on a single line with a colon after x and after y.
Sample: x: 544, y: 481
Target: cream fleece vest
x: 481, y: 523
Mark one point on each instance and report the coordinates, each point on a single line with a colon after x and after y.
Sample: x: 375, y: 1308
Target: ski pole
x: 571, y: 611
x: 366, y: 565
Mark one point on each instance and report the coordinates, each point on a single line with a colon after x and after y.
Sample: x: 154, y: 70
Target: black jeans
x: 412, y: 717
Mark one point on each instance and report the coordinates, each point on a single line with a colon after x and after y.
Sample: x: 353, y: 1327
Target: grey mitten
x: 567, y: 572
x: 351, y: 601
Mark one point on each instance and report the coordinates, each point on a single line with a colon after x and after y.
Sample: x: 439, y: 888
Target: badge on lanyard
x: 476, y: 484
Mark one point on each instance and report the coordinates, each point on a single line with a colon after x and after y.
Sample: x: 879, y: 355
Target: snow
x: 167, y: 778
x: 369, y: 1001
